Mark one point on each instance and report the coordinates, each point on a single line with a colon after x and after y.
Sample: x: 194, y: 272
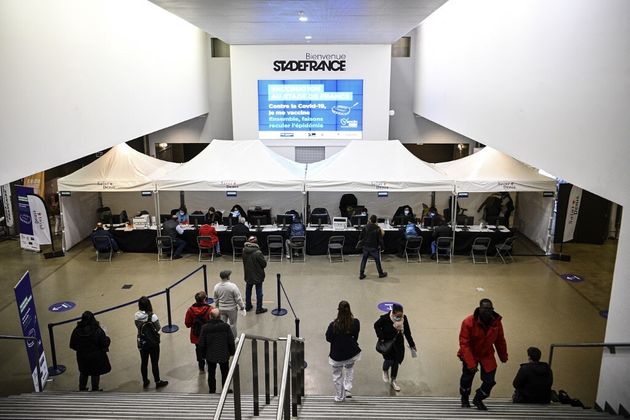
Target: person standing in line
x: 91, y: 343
x: 254, y: 264
x: 196, y: 316
x: 217, y: 344
x: 480, y: 334
x: 343, y: 336
x: 533, y: 381
x: 148, y: 326
x: 229, y: 301
x: 392, y: 326
x: 372, y: 239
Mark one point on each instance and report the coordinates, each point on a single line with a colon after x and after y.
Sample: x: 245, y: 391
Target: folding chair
x: 335, y: 244
x: 164, y: 243
x: 208, y: 248
x: 413, y: 245
x: 443, y: 248
x: 275, y: 247
x: 238, y: 243
x: 505, y: 249
x: 297, y: 244
x: 103, y: 244
x: 480, y: 248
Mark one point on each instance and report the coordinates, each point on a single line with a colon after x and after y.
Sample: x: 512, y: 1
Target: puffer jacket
x: 91, y: 345
x: 254, y: 263
x: 477, y: 343
x: 216, y: 341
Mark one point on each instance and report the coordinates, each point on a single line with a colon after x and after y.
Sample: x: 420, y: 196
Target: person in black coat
x: 392, y: 326
x: 91, y: 344
x: 372, y: 241
x: 216, y: 342
x: 533, y: 381
x: 343, y: 336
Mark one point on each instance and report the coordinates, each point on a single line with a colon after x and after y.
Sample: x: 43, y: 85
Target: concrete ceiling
x: 248, y: 22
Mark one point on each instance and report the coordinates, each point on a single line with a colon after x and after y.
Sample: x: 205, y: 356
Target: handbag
x: 385, y: 346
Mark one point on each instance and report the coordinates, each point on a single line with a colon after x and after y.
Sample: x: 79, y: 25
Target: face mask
x: 406, y: 212
x: 397, y: 318
x: 181, y: 212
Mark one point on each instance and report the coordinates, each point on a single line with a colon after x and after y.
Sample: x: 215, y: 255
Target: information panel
x: 310, y: 109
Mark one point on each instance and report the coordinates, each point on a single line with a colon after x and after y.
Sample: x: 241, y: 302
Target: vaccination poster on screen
x: 310, y: 109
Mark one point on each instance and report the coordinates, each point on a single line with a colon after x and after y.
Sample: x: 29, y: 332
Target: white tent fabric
x: 490, y: 170
x: 120, y: 169
x: 364, y: 166
x: 243, y: 165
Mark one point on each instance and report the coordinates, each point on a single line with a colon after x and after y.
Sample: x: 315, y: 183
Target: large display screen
x: 310, y: 109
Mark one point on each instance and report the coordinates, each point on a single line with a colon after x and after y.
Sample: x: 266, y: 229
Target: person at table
x: 173, y: 229
x: 213, y: 216
x: 441, y: 229
x: 237, y: 211
x: 213, y: 242
x: 182, y: 215
x: 372, y: 241
x: 411, y: 232
x: 100, y: 232
x: 296, y: 229
x: 240, y: 229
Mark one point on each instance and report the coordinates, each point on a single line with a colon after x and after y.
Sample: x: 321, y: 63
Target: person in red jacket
x: 209, y: 230
x: 480, y: 334
x: 196, y: 316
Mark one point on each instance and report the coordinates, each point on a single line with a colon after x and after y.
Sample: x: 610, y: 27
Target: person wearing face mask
x: 392, y: 326
x: 480, y: 334
x: 182, y: 216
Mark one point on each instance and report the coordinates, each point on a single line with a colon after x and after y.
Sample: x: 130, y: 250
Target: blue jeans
x: 179, y: 245
x: 374, y: 253
x: 248, y: 296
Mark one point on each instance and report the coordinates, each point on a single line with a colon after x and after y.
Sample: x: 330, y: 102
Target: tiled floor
x: 537, y: 306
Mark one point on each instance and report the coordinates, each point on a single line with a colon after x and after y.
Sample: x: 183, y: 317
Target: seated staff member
x: 173, y: 229
x: 441, y: 229
x: 213, y: 216
x: 182, y: 215
x: 100, y: 232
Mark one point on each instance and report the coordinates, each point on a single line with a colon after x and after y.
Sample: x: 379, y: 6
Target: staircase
x: 162, y: 405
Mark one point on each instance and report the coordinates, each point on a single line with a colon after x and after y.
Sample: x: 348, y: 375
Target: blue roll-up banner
x: 30, y: 328
x: 27, y: 239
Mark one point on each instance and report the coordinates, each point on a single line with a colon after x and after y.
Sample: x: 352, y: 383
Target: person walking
x: 372, y: 241
x: 343, y: 336
x: 480, y: 334
x: 196, y: 316
x: 91, y: 343
x: 217, y: 344
x: 391, y: 327
x: 254, y: 264
x: 148, y: 326
x: 228, y: 300
x: 533, y: 381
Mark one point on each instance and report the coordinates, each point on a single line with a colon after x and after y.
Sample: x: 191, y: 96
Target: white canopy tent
x: 120, y: 170
x: 489, y: 171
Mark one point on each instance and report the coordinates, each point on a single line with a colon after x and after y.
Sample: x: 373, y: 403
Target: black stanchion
x: 209, y: 300
x: 55, y: 369
x: 279, y: 311
x: 170, y: 328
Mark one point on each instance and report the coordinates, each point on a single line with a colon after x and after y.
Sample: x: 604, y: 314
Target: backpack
x: 148, y: 336
x: 198, y: 323
x: 411, y: 231
x: 297, y: 229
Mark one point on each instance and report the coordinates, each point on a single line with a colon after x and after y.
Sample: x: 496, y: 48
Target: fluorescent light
x: 302, y: 17
x: 307, y: 37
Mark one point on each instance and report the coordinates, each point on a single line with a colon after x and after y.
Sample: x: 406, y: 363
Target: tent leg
x: 453, y: 220
x: 157, y: 210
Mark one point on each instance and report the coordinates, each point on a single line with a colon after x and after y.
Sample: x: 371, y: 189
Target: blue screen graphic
x: 327, y: 109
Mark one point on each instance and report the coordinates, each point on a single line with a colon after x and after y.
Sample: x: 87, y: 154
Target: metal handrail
x: 234, y: 375
x: 288, y: 402
x: 611, y: 347
x: 283, y: 396
x: 37, y: 356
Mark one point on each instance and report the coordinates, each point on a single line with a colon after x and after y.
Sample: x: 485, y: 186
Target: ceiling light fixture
x: 308, y: 37
x: 302, y: 17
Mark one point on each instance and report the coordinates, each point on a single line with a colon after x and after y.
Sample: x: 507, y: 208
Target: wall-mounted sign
x: 65, y: 193
x: 230, y: 193
x: 549, y: 194
x: 146, y: 193
x: 462, y: 195
x: 382, y: 194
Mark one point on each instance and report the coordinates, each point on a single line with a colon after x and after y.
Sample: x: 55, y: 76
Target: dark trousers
x: 212, y: 368
x: 374, y: 253
x: 83, y: 382
x: 487, y: 382
x: 144, y: 362
x: 201, y: 358
x: 259, y: 295
x: 179, y: 245
x: 393, y: 364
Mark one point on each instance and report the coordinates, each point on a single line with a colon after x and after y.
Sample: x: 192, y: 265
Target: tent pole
x: 453, y: 219
x: 157, y: 210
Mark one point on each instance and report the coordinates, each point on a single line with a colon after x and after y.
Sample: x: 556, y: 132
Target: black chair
x: 505, y: 249
x: 413, y: 246
x: 275, y: 246
x: 103, y: 244
x: 238, y: 243
x: 209, y: 249
x: 335, y: 247
x: 444, y: 248
x: 480, y: 248
x: 297, y: 245
x: 164, y: 246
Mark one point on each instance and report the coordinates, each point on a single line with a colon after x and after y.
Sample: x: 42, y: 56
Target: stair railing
x: 233, y: 376
x: 291, y: 391
x: 610, y: 346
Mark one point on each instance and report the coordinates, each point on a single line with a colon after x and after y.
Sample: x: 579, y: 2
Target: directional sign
x: 61, y: 306
x: 386, y: 306
x: 573, y: 278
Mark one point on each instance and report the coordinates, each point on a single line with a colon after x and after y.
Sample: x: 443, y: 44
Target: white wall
x: 79, y: 76
x: 251, y: 63
x: 547, y: 83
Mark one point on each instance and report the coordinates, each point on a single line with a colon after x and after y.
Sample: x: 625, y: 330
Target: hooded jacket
x: 91, y: 345
x: 477, y: 342
x: 385, y: 330
x: 197, y: 309
x: 216, y: 341
x: 254, y: 263
x: 207, y: 230
x: 532, y: 383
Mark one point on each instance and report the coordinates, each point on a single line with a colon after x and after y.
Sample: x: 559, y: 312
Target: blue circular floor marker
x: 573, y: 278
x: 386, y: 306
x: 61, y: 306
x: 604, y: 314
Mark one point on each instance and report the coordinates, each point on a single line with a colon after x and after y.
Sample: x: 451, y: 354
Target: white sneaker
x: 395, y: 386
x: 348, y: 394
x: 385, y: 376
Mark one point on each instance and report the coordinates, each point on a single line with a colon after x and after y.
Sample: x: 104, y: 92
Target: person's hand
x: 243, y: 312
x: 504, y: 361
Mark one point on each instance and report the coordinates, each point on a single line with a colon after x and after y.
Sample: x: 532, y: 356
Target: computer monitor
x: 197, y: 219
x: 319, y: 219
x: 164, y: 217
x: 230, y: 220
x: 469, y: 220
x: 399, y: 220
x: 264, y: 214
x: 359, y: 210
x: 284, y: 219
x: 427, y: 222
x: 358, y: 221
x: 258, y: 220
